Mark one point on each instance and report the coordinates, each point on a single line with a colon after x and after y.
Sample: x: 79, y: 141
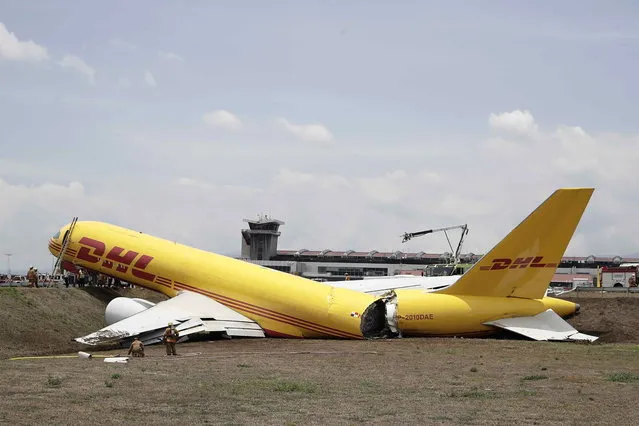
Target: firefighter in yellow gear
x: 170, y: 338
x: 137, y: 348
x: 31, y: 277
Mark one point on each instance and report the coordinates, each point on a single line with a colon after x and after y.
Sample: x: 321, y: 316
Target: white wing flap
x: 544, y: 326
x: 190, y: 312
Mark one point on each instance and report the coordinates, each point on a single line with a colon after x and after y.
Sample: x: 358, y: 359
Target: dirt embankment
x: 44, y: 321
x: 36, y: 321
x: 615, y: 319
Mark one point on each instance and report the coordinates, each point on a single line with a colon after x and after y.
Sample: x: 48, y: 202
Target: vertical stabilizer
x: 523, y: 263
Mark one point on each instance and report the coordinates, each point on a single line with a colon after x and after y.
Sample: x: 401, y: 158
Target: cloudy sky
x: 351, y: 121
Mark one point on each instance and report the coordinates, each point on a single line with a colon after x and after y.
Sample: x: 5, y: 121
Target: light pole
x: 9, y: 264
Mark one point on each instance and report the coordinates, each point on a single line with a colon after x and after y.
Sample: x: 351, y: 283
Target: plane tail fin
x: 523, y: 263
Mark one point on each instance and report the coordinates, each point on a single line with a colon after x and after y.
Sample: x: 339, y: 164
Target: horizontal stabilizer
x: 190, y: 312
x: 544, y: 326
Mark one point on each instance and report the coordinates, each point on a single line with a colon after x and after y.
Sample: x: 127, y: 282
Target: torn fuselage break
x: 379, y: 320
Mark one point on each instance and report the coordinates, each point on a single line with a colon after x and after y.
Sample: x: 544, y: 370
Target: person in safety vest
x: 170, y: 338
x: 31, y: 277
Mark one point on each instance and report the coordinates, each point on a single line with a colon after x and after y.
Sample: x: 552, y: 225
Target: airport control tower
x: 259, y: 242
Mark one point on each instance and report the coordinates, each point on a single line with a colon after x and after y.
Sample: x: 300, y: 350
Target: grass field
x: 269, y: 381
x: 277, y: 381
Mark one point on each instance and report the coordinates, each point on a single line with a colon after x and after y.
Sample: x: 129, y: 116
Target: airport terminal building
x: 259, y: 246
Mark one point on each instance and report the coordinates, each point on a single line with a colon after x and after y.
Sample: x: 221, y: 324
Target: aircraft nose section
x: 577, y: 307
x: 55, y: 242
x: 54, y: 247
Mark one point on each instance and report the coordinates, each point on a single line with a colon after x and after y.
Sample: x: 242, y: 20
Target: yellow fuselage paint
x: 282, y: 304
x: 433, y: 314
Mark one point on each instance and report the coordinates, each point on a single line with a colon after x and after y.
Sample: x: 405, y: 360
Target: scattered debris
x: 117, y: 359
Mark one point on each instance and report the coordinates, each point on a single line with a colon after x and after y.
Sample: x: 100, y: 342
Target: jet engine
x: 124, y: 307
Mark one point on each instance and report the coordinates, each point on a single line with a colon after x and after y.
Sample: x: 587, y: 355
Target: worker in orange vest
x: 31, y: 276
x: 170, y: 338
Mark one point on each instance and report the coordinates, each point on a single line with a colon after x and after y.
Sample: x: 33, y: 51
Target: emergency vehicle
x: 618, y: 276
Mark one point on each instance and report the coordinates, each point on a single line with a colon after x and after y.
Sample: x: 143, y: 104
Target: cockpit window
x: 57, y: 235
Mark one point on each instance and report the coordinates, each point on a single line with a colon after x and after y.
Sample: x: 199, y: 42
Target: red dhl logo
x: 518, y: 263
x: 92, y: 251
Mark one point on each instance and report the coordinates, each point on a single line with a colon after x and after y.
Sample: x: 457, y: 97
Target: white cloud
x: 336, y: 202
x: 223, y: 119
x: 12, y: 196
x: 517, y: 121
x: 150, y: 80
x: 170, y: 56
x: 570, y: 152
x: 577, y: 150
x: 569, y: 156
x: 389, y: 188
x: 77, y: 64
x: 360, y: 213
x: 290, y: 178
x: 195, y: 183
x: 13, y: 49
x: 307, y: 132
x: 463, y: 206
x: 504, y: 146
x: 40, y: 209
x: 396, y: 185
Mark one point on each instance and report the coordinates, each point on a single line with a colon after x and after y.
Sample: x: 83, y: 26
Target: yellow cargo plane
x: 210, y: 293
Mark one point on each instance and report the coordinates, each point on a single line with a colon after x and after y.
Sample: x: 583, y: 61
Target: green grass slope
x: 44, y: 321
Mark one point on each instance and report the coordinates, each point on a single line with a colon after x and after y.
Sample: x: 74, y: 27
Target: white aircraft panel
x: 381, y: 285
x: 544, y: 326
x: 190, y: 312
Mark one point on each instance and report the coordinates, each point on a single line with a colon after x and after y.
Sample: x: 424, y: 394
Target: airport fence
x: 603, y: 292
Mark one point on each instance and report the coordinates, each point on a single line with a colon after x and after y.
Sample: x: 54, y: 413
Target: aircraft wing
x: 190, y: 312
x: 381, y: 285
x: 544, y: 326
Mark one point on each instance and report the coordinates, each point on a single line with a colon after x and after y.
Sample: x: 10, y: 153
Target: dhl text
x: 93, y: 251
x: 518, y: 263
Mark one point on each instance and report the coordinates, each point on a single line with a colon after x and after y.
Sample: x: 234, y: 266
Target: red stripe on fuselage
x: 326, y: 329
x: 267, y: 313
x: 259, y: 311
x: 271, y: 333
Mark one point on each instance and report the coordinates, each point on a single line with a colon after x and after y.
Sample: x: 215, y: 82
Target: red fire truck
x: 618, y: 276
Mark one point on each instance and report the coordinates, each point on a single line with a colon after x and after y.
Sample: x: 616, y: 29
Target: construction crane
x: 457, y: 253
